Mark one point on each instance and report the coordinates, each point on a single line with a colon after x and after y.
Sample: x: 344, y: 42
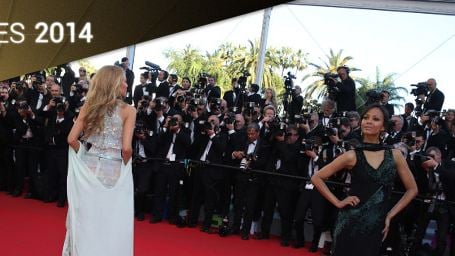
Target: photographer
x: 125, y: 65
x: 268, y: 117
x: 145, y: 145
x: 58, y: 123
x: 163, y: 87
x: 311, y: 127
x: 7, y: 118
x: 345, y: 98
x: 27, y: 136
x: 38, y: 97
x: 309, y: 198
x: 435, y: 98
x: 284, y: 158
x: 251, y: 153
x: 173, y: 88
x: 328, y: 112
x: 234, y: 97
x: 212, y: 90
x: 385, y: 96
x: 253, y: 95
x: 439, y: 189
x: 142, y: 89
x: 209, y: 181
x: 395, y: 132
x: 174, y: 142
x: 295, y: 106
x: 410, y: 122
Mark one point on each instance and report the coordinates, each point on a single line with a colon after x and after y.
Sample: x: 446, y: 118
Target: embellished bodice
x: 109, y: 141
x: 104, y: 156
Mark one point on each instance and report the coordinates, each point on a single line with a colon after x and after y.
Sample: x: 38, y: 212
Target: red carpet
x: 33, y: 228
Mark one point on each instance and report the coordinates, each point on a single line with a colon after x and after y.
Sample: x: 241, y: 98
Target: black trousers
x: 310, y: 199
x: 143, y: 180
x: 26, y: 166
x: 6, y: 168
x: 57, y: 172
x: 167, y: 180
x: 208, y: 190
x: 247, y: 191
x: 286, y: 199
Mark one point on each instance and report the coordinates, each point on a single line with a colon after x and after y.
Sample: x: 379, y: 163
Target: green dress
x: 358, y: 230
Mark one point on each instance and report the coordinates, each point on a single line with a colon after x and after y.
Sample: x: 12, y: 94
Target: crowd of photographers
x: 195, y: 147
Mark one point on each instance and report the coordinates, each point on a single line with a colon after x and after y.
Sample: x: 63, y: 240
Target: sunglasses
x: 81, y: 70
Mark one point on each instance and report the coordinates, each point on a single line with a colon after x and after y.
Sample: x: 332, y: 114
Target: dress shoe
x: 155, y: 220
x: 16, y: 193
x: 245, y: 236
x: 29, y: 196
x: 140, y: 216
x: 191, y: 225
x: 298, y: 245
x: 313, y: 247
x: 235, y: 230
x: 285, y: 243
x: 261, y: 236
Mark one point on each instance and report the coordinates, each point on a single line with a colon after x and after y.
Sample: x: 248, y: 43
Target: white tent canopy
x: 442, y: 7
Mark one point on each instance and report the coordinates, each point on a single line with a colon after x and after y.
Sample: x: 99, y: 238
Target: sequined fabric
x: 109, y: 144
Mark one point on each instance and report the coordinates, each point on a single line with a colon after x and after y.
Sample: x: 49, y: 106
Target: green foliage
x: 229, y: 61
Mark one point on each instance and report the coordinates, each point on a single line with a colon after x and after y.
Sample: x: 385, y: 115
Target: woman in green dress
x: 364, y: 216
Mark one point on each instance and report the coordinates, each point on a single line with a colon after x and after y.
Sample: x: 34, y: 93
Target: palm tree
x: 382, y: 83
x: 333, y: 61
x: 186, y: 62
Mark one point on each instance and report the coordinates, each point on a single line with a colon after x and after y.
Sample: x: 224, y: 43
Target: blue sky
x: 395, y: 42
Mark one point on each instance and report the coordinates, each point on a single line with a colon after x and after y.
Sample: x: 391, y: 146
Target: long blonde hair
x: 103, y: 96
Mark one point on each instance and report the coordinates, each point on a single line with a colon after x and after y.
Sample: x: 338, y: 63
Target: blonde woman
x: 269, y: 98
x: 100, y: 185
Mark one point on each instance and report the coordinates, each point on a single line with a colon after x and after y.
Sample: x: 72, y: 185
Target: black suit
x: 55, y: 138
x: 434, y: 101
x: 209, y: 181
x: 256, y: 98
x: 410, y: 123
x: 129, y: 80
x: 234, y: 99
x: 139, y: 92
x: 26, y: 152
x: 282, y: 190
x: 346, y: 95
x: 212, y: 92
x: 390, y: 109
x: 163, y: 90
x: 33, y: 99
x: 143, y: 169
x: 6, y: 152
x: 169, y: 174
x: 248, y: 185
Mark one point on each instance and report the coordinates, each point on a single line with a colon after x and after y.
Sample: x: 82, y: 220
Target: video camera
x: 243, y: 78
x: 153, y: 70
x: 330, y: 82
x: 373, y: 96
x: 421, y: 89
x: 289, y: 82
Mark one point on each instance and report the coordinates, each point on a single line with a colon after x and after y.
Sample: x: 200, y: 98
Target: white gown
x: 100, y: 215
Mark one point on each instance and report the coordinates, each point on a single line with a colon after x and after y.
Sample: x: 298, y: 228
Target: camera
x: 60, y: 107
x: 23, y: 106
x: 308, y: 145
x: 208, y: 125
x: 242, y: 79
x: 277, y: 128
x: 58, y: 100
x: 421, y: 89
x: 409, y: 139
x: 139, y: 128
x: 373, y: 96
x: 152, y: 68
x: 229, y: 119
x: 159, y: 105
x: 173, y: 121
x: 215, y: 104
x: 245, y: 162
